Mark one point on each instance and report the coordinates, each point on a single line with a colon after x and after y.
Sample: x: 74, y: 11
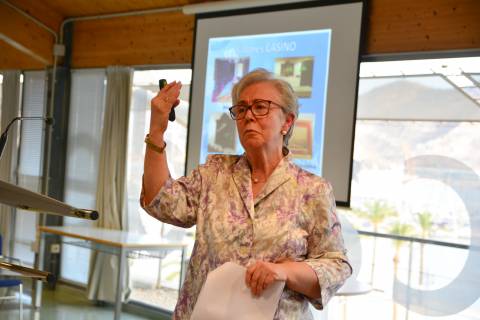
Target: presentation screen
x: 314, y: 48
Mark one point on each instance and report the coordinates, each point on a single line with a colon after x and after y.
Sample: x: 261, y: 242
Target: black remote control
x: 161, y: 84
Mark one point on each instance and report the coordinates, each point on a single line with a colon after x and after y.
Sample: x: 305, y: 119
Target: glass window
x: 83, y: 150
x: 415, y: 171
x: 159, y: 288
x: 30, y: 159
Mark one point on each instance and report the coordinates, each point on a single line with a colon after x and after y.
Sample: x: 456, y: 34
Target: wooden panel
x: 422, y: 25
x: 78, y: 8
x: 41, y: 11
x: 26, y: 33
x: 394, y: 26
x: 153, y: 39
x: 11, y: 58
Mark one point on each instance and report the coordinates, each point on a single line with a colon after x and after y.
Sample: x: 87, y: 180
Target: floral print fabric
x: 292, y: 218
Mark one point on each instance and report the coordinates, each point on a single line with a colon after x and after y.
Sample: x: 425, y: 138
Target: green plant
x: 425, y: 220
x: 399, y: 229
x: 375, y: 212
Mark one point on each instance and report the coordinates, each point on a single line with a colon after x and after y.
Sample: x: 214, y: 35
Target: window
x: 157, y: 288
x: 30, y: 160
x: 418, y: 125
x: 83, y: 150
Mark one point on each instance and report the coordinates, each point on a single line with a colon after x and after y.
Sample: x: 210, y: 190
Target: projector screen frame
x: 283, y: 7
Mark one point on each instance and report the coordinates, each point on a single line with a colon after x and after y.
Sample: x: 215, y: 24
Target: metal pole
x: 38, y: 285
x: 119, y: 294
x: 410, y: 258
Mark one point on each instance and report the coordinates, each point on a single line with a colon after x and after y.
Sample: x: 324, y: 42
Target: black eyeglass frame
x: 250, y: 106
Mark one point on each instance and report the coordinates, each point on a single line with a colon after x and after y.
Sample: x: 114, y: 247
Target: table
x: 351, y: 287
x: 120, y: 243
x: 4, y: 273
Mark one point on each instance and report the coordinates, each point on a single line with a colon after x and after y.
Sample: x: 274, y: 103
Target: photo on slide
x: 301, y: 141
x: 298, y: 71
x: 227, y: 72
x: 222, y: 134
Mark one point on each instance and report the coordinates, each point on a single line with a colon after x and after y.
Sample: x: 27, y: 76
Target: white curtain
x: 111, y: 182
x: 87, y: 106
x: 10, y: 109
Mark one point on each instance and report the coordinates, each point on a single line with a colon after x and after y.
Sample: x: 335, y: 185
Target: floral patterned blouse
x: 293, y: 218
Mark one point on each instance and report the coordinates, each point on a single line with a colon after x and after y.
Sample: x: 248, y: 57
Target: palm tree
x: 399, y: 229
x: 426, y: 223
x: 376, y: 212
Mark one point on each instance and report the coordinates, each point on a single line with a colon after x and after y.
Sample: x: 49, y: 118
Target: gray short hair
x: 287, y: 95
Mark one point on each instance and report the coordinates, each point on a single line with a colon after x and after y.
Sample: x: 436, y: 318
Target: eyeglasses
x: 259, y: 108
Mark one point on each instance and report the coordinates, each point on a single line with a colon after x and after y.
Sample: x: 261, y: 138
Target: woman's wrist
x: 284, y: 270
x: 155, y: 146
x: 158, y: 124
x: 156, y: 135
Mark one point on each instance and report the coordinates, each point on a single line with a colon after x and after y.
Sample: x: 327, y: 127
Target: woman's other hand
x: 164, y: 101
x: 261, y: 275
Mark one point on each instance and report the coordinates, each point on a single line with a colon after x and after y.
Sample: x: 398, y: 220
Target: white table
x: 120, y: 243
x: 351, y: 287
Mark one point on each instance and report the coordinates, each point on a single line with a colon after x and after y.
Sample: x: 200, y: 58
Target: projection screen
x: 315, y: 46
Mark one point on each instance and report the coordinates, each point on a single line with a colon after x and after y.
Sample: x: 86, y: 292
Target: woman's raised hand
x: 164, y: 101
x: 260, y: 275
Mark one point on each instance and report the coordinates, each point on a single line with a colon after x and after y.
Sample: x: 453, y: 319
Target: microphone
x: 162, y: 83
x: 15, y: 196
x: 3, y: 138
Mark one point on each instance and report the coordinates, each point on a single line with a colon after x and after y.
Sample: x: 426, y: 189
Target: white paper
x: 226, y: 296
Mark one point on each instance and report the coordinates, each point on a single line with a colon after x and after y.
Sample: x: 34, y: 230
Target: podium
x: 21, y: 198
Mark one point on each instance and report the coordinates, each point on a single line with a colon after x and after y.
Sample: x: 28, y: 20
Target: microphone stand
x: 4, y: 136
x: 25, y: 199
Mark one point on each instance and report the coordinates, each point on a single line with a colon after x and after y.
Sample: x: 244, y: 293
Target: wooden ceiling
x: 17, y: 31
x: 393, y: 26
x: 53, y: 12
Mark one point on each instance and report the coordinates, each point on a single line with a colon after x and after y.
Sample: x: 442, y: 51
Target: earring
x: 284, y: 132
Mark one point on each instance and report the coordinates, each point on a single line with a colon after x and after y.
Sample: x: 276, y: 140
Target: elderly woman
x: 258, y: 209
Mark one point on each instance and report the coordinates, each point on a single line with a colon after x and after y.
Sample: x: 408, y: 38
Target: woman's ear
x: 289, y: 119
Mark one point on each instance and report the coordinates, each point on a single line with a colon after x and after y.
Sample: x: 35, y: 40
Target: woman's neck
x: 262, y: 163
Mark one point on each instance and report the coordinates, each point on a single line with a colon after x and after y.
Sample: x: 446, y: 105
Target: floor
x: 67, y: 303
x: 162, y: 297
x: 64, y: 303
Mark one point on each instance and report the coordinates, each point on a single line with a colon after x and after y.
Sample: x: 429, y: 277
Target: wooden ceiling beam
x: 42, y: 11
x: 22, y: 48
x: 164, y: 38
x: 25, y: 36
x: 12, y: 58
x: 396, y: 26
